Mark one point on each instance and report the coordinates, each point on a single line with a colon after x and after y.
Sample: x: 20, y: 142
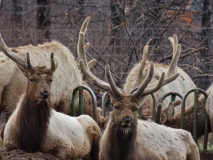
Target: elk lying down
x: 126, y: 137
x: 209, y: 107
x: 66, y: 78
x: 170, y: 119
x: 182, y: 84
x: 34, y: 126
x: 13, y: 83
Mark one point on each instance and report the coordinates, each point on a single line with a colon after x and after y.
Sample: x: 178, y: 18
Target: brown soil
x: 22, y: 155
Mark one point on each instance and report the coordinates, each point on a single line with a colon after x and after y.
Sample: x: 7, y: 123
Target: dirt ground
x: 21, y: 155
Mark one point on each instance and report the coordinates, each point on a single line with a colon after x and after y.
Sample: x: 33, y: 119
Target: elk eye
x: 50, y: 80
x: 116, y: 107
x: 31, y: 80
x: 135, y: 109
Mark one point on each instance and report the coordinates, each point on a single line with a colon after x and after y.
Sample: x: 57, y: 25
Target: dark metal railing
x: 196, y: 92
x: 173, y: 96
x: 81, y: 101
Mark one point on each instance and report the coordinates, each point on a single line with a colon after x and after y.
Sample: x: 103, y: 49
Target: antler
x: 176, y: 53
x: 142, y: 65
x: 82, y: 48
x: 171, y: 74
x: 111, y: 87
x: 15, y: 57
x: 53, y: 64
x: 140, y: 92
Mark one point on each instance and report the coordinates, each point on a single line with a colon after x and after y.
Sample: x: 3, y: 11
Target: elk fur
x: 152, y: 141
x: 35, y: 126
x: 209, y: 107
x: 67, y: 77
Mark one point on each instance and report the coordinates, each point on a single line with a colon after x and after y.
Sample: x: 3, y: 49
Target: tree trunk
x: 43, y: 17
x: 206, y: 27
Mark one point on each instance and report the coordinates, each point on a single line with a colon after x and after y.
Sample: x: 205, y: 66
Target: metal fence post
x: 196, y: 92
x: 81, y: 100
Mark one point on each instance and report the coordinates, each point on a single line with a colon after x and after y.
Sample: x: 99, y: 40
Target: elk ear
x: 170, y: 111
x: 164, y: 115
x: 56, y: 65
x: 24, y: 71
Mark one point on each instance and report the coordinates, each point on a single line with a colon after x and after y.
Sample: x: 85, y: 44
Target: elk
x: 209, y: 108
x: 168, y: 117
x: 35, y: 126
x: 182, y: 84
x: 67, y: 77
x: 126, y: 137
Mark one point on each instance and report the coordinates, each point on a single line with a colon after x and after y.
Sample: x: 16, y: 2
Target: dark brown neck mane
x: 33, y: 123
x: 122, y: 146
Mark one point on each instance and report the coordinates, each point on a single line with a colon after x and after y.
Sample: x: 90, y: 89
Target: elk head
x: 39, y: 78
x: 166, y: 115
x: 124, y: 113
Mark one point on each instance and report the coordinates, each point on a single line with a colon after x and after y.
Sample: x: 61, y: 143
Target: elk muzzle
x: 127, y: 121
x: 44, y: 94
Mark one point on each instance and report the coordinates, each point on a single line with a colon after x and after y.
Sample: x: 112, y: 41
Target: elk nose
x: 44, y: 94
x: 127, y: 120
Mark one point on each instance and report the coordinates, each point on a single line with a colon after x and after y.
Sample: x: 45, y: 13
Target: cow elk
x: 34, y: 126
x: 126, y: 137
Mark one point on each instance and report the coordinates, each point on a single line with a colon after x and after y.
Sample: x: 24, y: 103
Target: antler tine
x: 96, y: 81
x: 15, y: 57
x: 157, y: 87
x: 91, y: 63
x: 176, y: 53
x: 166, y: 81
x: 53, y: 64
x: 143, y: 62
x: 146, y: 81
x: 86, y: 47
x: 82, y: 48
x: 29, y: 65
x: 114, y: 89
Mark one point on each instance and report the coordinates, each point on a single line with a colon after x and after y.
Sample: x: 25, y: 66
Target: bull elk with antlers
x: 66, y: 78
x: 126, y: 137
x: 34, y: 126
x: 181, y: 85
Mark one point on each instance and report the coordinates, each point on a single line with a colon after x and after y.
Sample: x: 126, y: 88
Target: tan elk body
x: 35, y: 126
x: 66, y: 78
x: 126, y: 137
